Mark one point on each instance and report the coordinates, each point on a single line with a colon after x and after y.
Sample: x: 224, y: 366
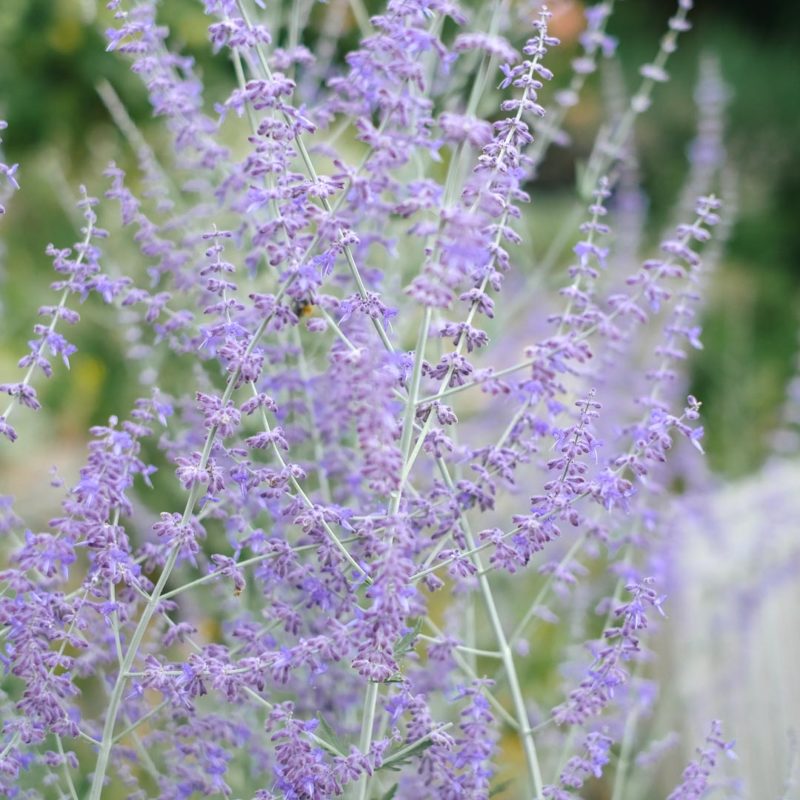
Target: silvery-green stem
x: 67, y: 775
x: 115, y: 700
x: 365, y: 740
x: 623, y: 764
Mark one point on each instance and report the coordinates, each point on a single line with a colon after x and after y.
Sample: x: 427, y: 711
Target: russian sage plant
x: 415, y: 542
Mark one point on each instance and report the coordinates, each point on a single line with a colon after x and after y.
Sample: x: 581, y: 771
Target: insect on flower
x: 303, y: 308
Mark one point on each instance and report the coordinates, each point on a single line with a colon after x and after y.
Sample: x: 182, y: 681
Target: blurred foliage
x: 52, y: 55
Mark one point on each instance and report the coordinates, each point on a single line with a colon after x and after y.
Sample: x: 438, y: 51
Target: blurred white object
x: 735, y: 610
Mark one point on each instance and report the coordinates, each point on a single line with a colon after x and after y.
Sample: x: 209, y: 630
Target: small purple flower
x: 696, y: 777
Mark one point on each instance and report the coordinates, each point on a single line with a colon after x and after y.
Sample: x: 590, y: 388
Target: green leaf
x: 391, y: 793
x: 404, y: 755
x: 331, y: 736
x: 406, y: 643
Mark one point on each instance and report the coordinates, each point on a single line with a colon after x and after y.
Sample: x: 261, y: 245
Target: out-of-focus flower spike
x: 8, y: 180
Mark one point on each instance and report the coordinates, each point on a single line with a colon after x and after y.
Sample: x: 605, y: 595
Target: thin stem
x: 240, y: 565
x: 521, y: 712
x: 149, y: 765
x: 370, y: 699
x: 470, y: 632
x: 307, y: 500
x: 621, y: 775
x: 85, y: 736
x: 409, y: 748
x: 12, y: 743
x: 134, y: 725
x: 115, y: 623
x: 365, y: 740
x: 294, y: 24
x: 67, y: 775
x: 411, y: 407
x: 531, y: 758
x: 475, y: 651
x: 443, y: 393
x: 241, y: 80
x: 126, y: 125
x: 319, y: 452
x: 531, y: 612
x: 513, y: 422
x: 479, y: 78
x: 569, y: 221
x: 564, y: 754
x: 466, y: 667
x: 115, y: 700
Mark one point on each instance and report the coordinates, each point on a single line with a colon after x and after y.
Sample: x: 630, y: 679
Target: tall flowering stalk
x: 323, y: 609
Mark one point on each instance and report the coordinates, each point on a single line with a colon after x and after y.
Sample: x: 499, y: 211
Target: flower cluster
x: 696, y: 777
x: 282, y: 572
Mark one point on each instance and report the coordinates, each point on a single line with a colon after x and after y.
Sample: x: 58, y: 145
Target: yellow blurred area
x: 87, y: 381
x: 69, y: 32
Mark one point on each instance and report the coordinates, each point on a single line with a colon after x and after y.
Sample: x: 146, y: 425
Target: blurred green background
x: 52, y: 55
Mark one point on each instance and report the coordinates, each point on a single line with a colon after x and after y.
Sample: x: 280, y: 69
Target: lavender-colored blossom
x: 696, y: 777
x: 277, y: 575
x: 620, y: 645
